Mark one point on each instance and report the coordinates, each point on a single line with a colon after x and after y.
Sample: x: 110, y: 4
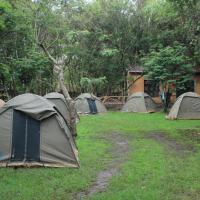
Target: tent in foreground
x: 1, y: 103
x: 89, y: 104
x: 139, y: 102
x: 187, y: 106
x: 33, y: 133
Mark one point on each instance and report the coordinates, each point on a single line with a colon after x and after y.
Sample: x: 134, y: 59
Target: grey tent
x: 60, y: 103
x: 1, y: 103
x: 33, y: 133
x: 89, y: 104
x: 139, y: 102
x: 187, y: 106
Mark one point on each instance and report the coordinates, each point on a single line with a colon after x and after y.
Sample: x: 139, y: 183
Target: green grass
x: 150, y: 173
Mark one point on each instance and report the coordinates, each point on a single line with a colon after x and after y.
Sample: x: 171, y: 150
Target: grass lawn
x: 156, y: 169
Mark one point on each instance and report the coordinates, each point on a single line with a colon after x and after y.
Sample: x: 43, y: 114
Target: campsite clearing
x: 162, y: 162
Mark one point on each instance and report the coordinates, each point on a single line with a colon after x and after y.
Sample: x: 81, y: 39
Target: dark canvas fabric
x: 18, y: 136
x: 92, y: 106
x: 33, y: 140
x: 25, y: 138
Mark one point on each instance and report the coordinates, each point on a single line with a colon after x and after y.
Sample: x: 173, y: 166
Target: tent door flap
x: 33, y: 140
x: 92, y: 106
x: 18, y: 136
x: 25, y: 138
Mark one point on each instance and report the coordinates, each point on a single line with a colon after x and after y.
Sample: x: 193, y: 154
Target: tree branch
x: 47, y: 53
x: 135, y: 81
x: 53, y: 41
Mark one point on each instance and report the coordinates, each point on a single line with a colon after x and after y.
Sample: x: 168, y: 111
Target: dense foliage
x: 100, y: 38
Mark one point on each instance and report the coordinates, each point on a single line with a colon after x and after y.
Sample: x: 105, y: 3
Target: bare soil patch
x: 119, y: 152
x: 170, y: 144
x: 191, y: 134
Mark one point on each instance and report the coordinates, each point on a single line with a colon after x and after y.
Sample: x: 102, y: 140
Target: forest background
x: 100, y: 40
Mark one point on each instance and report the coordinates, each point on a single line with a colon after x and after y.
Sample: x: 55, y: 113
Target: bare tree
x: 58, y: 69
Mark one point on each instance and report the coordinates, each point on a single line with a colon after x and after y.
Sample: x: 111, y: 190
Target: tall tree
x: 169, y: 64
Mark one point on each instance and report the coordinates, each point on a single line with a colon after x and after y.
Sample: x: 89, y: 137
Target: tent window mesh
x: 25, y: 138
x: 92, y: 106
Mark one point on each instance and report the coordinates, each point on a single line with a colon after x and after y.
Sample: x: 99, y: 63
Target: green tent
x: 61, y: 104
x: 33, y: 133
x: 139, y: 102
x: 187, y: 106
x: 89, y: 104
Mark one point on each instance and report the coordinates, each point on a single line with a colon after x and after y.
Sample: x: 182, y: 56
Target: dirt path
x: 119, y: 152
x: 180, y: 149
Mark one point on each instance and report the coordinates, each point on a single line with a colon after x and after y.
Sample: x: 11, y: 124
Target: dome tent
x: 89, y: 104
x: 62, y: 106
x: 60, y: 103
x: 1, y: 103
x: 187, y: 106
x: 139, y: 102
x: 33, y: 133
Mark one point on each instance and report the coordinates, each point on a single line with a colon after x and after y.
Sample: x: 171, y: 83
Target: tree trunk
x: 71, y: 103
x: 58, y: 69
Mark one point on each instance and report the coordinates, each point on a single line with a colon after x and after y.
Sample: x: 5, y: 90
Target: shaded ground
x: 171, y: 144
x: 119, y: 152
